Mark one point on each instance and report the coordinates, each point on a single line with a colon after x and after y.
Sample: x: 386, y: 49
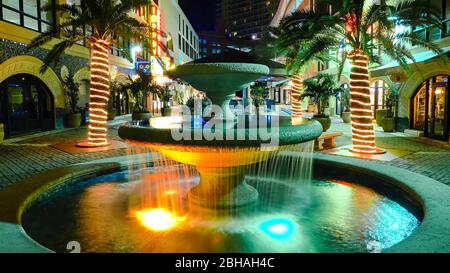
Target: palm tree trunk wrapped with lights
x: 297, y: 87
x: 363, y: 136
x: 99, y: 92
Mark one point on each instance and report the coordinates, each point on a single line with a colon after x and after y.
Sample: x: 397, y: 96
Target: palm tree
x: 107, y: 19
x: 287, y: 40
x: 319, y: 89
x: 141, y: 86
x: 359, y: 31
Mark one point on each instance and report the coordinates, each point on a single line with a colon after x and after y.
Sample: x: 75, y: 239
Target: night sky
x: 201, y: 13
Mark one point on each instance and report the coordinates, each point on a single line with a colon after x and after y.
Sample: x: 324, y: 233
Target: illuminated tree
x: 97, y: 23
x: 361, y: 32
x: 284, y: 42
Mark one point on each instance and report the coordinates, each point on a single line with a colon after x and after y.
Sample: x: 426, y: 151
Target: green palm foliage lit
x: 363, y: 33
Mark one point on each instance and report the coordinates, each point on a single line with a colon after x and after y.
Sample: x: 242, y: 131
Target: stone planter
x: 166, y: 111
x: 111, y: 114
x: 2, y: 133
x: 326, y: 122
x: 312, y: 108
x: 72, y: 120
x: 346, y: 117
x: 379, y: 115
x: 138, y: 116
x: 388, y: 124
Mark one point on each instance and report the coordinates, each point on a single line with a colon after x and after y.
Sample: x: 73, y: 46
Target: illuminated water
x: 146, y: 210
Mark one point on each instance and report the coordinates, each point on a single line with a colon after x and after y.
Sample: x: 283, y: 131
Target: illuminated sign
x: 155, y: 37
x: 146, y: 67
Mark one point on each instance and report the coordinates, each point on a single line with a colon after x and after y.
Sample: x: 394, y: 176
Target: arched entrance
x: 26, y: 105
x: 429, y: 107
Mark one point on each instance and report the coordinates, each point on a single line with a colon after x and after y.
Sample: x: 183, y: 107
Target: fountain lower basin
x: 342, y: 216
x: 221, y: 164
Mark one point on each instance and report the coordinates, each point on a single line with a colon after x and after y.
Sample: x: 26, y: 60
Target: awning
x: 420, y: 57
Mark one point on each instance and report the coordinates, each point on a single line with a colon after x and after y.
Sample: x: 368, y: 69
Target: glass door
x: 431, y: 105
x: 34, y: 109
x: 438, y: 120
x: 16, y: 108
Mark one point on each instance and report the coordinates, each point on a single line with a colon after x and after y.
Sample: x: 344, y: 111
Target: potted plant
x: 179, y: 97
x: 319, y: 89
x: 379, y: 115
x: 391, y: 100
x: 205, y: 102
x: 258, y: 94
x: 2, y: 133
x: 72, y: 118
x: 140, y: 87
x: 345, y: 99
x: 165, y: 94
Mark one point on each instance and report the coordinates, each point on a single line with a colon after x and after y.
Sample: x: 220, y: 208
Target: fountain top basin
x: 219, y: 79
x: 222, y: 74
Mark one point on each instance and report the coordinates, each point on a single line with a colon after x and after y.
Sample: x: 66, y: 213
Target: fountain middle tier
x: 222, y: 164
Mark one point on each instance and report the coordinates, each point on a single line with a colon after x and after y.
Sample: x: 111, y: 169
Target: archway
x: 31, y: 66
x: 26, y: 105
x: 429, y: 107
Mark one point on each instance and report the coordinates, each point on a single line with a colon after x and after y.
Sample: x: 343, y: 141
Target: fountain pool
x: 106, y: 214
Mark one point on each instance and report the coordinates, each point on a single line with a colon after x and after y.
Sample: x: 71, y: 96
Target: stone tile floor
x: 26, y: 156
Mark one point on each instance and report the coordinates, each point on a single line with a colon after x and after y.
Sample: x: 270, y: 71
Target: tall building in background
x: 245, y: 18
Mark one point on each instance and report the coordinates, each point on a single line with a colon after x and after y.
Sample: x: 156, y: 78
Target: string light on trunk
x: 297, y: 87
x: 99, y: 94
x: 363, y: 135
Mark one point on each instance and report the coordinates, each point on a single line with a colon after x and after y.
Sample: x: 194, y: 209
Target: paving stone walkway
x: 419, y: 154
x: 23, y: 157
x: 27, y: 156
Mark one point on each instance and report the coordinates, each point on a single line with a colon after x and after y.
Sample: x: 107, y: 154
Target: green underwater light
x: 278, y: 228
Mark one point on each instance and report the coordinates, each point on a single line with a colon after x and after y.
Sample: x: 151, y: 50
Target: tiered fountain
x: 222, y: 164
x: 228, y: 195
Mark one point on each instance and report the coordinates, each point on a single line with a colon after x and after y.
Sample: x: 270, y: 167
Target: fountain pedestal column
x: 222, y: 188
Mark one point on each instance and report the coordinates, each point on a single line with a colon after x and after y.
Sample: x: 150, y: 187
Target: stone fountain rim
x: 288, y: 135
x: 429, y: 237
x: 220, y: 67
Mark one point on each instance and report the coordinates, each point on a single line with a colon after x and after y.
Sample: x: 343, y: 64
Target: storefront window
x: 430, y: 108
x: 420, y: 106
x: 27, y: 13
x: 378, y: 91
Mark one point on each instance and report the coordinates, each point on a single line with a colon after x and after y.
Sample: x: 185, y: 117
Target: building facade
x: 246, y: 18
x: 174, y: 43
x: 423, y: 95
x: 31, y: 101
